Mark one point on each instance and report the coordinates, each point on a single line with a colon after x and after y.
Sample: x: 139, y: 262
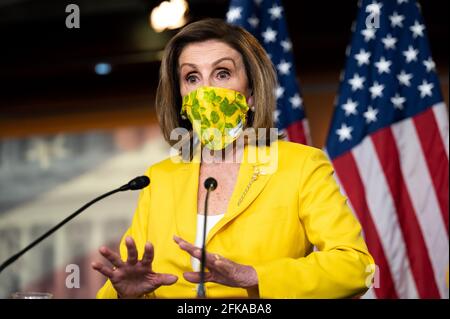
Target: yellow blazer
x: 293, y: 205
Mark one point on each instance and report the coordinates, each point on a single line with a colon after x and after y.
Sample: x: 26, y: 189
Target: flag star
x: 410, y: 54
x: 350, y: 107
x: 383, y: 65
x: 374, y: 8
x: 370, y: 114
x: 425, y: 88
x: 404, y: 78
x: 275, y: 12
x: 279, y: 92
x: 362, y: 57
x: 356, y: 82
x: 345, y: 132
x: 276, y: 115
x: 396, y: 20
x: 368, y: 34
x: 234, y: 14
x: 376, y: 90
x: 417, y: 29
x: 269, y: 35
x: 253, y: 21
x: 389, y: 42
x: 284, y: 67
x: 398, y: 101
x: 296, y: 101
x: 402, y: 1
x: 429, y: 64
x: 287, y: 45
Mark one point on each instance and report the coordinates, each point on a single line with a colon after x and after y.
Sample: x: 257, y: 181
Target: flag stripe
x: 436, y: 159
x: 389, y: 104
x: 382, y: 209
x: 389, y: 158
x: 441, y: 116
x: 297, y: 132
x: 425, y: 203
x: 354, y: 188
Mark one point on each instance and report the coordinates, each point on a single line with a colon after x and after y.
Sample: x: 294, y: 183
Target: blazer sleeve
x: 342, y: 266
x: 138, y: 231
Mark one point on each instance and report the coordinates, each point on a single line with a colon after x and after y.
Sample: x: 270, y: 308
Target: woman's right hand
x: 133, y: 278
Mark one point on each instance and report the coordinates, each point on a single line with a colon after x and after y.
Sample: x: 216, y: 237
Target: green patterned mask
x: 218, y: 115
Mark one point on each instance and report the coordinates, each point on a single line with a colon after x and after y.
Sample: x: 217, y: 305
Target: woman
x: 268, y: 212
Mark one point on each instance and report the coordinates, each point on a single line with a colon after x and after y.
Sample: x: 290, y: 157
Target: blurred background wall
x: 77, y: 116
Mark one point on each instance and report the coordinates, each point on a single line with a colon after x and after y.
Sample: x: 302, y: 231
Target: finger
x: 113, y: 257
x: 219, y: 264
x: 223, y: 266
x: 147, y: 259
x: 104, y: 270
x: 165, y: 279
x: 213, y: 260
x: 132, y: 251
x: 188, y: 247
x: 194, y: 277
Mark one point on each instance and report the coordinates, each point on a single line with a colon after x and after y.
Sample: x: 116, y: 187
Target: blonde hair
x: 259, y: 69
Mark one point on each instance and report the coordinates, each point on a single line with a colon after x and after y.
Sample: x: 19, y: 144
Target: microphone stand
x: 210, y: 185
x: 137, y: 183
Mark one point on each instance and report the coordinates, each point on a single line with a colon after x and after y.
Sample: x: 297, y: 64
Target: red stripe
x: 350, y: 179
x: 436, y: 157
x: 422, y: 270
x: 297, y: 133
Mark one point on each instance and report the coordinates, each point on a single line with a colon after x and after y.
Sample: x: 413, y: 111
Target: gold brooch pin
x: 256, y: 173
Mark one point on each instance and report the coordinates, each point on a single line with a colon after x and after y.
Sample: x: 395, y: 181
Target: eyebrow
x: 214, y: 63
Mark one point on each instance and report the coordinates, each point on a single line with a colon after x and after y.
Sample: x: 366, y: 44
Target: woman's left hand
x: 221, y: 270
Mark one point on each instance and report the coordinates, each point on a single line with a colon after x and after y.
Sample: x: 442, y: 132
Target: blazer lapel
x: 254, y: 173
x: 185, y: 185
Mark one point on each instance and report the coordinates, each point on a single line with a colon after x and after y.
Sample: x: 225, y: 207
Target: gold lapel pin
x: 255, y: 175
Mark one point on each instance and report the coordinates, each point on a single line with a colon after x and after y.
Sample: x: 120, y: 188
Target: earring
x: 252, y: 109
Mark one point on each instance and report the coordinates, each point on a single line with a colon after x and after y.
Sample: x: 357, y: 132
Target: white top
x: 210, y: 222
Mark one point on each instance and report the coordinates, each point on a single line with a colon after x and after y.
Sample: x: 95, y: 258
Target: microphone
x: 136, y: 183
x: 210, y: 185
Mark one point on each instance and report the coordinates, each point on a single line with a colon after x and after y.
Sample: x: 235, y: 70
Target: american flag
x: 388, y: 142
x: 265, y: 20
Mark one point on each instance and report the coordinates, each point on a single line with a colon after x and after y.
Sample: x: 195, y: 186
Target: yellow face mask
x: 218, y: 115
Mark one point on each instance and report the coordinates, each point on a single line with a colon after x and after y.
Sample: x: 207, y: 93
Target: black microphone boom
x: 210, y: 185
x: 136, y: 183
